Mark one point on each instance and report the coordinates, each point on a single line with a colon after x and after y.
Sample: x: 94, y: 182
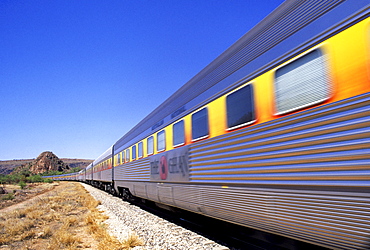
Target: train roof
x: 89, y: 166
x: 284, y: 33
x: 106, y: 155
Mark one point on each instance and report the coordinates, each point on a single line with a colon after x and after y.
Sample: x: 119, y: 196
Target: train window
x: 133, y: 151
x: 140, y: 149
x: 302, y: 83
x: 117, y: 159
x: 240, y: 107
x: 161, y: 141
x: 199, y: 124
x: 127, y: 155
x: 150, y: 145
x: 123, y: 156
x: 178, y: 133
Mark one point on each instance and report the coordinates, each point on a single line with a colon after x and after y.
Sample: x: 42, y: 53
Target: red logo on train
x: 163, y: 168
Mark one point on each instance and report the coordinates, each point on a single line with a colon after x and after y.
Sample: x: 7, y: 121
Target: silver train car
x: 64, y: 177
x: 101, y: 171
x: 271, y: 135
x: 81, y: 176
x: 88, y: 172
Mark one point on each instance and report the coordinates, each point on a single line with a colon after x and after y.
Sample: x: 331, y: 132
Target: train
x: 272, y: 135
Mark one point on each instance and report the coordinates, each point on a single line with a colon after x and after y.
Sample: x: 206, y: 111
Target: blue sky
x: 75, y: 76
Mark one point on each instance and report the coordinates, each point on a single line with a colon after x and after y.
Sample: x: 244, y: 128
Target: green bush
x: 8, y: 196
x: 14, y: 178
x: 52, y: 172
x: 25, y: 176
x: 3, y: 179
x: 48, y: 180
x: 35, y: 178
x: 22, y: 184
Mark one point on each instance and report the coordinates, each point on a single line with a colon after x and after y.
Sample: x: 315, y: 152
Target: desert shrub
x: 48, y: 180
x: 8, y: 196
x: 52, y: 172
x: 132, y: 241
x: 3, y: 179
x: 35, y: 178
x: 22, y: 184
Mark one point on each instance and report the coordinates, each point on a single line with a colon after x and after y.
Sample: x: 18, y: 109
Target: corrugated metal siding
x: 334, y: 219
x: 139, y: 189
x: 313, y: 151
x: 152, y: 192
x: 138, y: 170
x: 165, y: 194
x: 97, y: 176
x: 106, y: 175
x: 328, y: 145
x: 187, y: 197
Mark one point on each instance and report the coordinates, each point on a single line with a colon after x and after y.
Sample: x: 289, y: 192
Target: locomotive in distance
x: 272, y: 135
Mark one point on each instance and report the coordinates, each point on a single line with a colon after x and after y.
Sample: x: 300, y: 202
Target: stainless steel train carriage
x: 76, y: 176
x: 81, y: 176
x: 64, y: 177
x: 88, y: 173
x: 272, y: 135
x: 102, y: 170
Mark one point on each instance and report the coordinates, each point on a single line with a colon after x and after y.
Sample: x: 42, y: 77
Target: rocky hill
x: 74, y: 163
x: 6, y: 167
x: 46, y: 161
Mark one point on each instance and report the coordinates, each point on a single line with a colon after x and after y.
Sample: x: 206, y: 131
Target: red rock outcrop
x: 47, y: 161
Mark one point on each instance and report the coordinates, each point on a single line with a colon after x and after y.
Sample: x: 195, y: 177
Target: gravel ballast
x: 156, y: 233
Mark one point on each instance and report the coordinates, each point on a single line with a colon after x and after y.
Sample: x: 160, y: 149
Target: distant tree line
x: 26, y: 176
x: 55, y: 172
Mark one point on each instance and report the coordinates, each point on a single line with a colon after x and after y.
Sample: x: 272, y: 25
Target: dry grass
x: 16, y: 194
x: 65, y: 219
x: 132, y: 241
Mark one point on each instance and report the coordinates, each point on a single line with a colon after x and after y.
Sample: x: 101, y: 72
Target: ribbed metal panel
x: 325, y: 148
x: 89, y: 172
x: 139, y: 189
x: 187, y: 197
x: 97, y: 176
x: 106, y: 175
x: 89, y: 176
x: 334, y: 219
x: 138, y: 170
x: 328, y: 145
